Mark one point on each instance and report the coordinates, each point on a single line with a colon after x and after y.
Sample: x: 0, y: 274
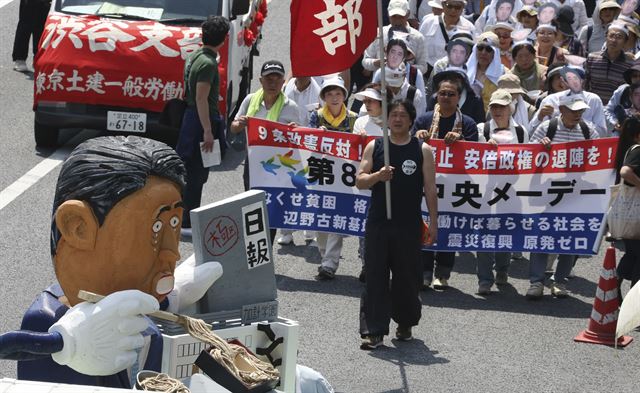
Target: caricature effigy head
x: 116, y: 217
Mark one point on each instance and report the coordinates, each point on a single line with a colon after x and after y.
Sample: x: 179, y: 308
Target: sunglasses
x: 485, y: 48
x: 447, y: 94
x: 456, y: 7
x: 504, y: 36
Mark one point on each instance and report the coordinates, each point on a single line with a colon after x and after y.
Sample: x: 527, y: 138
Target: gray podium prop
x: 235, y: 232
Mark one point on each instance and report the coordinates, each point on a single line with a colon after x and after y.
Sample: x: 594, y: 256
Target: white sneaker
x: 559, y: 290
x: 285, y: 240
x: 20, y: 66
x: 535, y: 291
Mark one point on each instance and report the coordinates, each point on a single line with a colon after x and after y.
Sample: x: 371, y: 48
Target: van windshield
x: 169, y: 10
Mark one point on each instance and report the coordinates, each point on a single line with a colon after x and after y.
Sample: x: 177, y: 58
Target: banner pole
x: 383, y: 89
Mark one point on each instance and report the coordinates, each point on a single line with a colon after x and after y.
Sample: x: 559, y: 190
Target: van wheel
x: 45, y: 136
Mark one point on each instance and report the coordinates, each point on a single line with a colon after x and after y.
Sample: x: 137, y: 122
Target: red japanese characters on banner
x: 134, y: 64
x: 328, y: 36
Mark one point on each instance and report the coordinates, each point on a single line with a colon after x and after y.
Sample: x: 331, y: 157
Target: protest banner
x: 523, y: 197
x: 309, y: 176
x: 507, y: 198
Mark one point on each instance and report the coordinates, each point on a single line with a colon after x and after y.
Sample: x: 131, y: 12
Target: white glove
x: 101, y: 338
x: 192, y: 282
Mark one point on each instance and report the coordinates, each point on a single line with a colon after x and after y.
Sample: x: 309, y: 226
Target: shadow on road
x: 403, y: 353
x: 341, y: 285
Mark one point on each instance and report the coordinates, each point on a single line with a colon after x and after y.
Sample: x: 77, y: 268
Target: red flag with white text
x: 328, y: 36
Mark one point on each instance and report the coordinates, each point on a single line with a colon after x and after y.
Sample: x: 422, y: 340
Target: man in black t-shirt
x: 393, y: 245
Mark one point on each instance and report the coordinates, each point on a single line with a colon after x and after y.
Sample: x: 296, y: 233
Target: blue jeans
x: 486, y: 263
x: 538, y: 265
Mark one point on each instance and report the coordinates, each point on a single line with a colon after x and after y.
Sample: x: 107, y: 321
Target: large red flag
x: 328, y: 36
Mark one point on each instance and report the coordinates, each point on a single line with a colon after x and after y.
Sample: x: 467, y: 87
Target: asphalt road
x: 464, y: 343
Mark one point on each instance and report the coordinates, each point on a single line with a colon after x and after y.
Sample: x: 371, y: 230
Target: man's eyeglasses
x: 456, y: 7
x: 485, y: 48
x: 504, y: 36
x: 447, y: 94
x: 616, y: 36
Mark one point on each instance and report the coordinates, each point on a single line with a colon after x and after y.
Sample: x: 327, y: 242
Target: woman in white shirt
x: 371, y: 123
x: 500, y: 129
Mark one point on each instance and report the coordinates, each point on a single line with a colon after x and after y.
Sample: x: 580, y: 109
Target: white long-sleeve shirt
x: 594, y: 114
x: 430, y: 29
x: 415, y: 41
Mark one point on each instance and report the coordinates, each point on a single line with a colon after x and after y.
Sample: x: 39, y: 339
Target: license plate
x: 126, y: 121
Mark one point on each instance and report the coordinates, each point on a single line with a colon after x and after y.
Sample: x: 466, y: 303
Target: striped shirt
x: 603, y: 76
x: 563, y: 134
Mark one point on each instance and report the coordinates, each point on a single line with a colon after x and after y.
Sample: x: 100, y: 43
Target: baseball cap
x: 620, y: 26
x: 368, y: 93
x: 609, y: 4
x: 501, y: 25
x: 435, y: 4
x: 398, y: 7
x: 511, y: 84
x: 272, y: 67
x: 500, y: 97
x: 528, y: 9
x: 573, y: 102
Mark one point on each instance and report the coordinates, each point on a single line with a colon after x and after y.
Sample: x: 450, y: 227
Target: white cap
x: 368, y: 93
x: 333, y: 82
x: 574, y: 102
x: 398, y: 7
x: 435, y: 4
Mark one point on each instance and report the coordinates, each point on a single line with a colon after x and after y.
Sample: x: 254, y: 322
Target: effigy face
x: 135, y: 248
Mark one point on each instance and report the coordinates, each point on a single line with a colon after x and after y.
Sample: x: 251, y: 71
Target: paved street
x: 464, y: 343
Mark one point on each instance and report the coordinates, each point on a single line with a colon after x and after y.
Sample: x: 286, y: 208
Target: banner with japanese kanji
x: 309, y: 176
x: 329, y: 36
x: 523, y: 197
x: 123, y: 63
x: 510, y: 198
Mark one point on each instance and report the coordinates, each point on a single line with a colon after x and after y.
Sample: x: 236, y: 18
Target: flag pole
x: 383, y: 89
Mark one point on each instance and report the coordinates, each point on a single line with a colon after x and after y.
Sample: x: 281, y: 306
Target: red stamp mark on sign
x: 220, y: 236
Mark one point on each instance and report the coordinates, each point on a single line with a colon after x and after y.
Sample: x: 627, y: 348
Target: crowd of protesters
x: 506, y: 71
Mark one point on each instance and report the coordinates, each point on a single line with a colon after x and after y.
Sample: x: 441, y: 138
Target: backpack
x: 589, y: 34
x: 519, y: 132
x: 411, y: 93
x: 553, y: 127
x: 413, y: 74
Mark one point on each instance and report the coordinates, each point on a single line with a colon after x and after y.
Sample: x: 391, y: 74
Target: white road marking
x: 4, y: 2
x: 30, y: 178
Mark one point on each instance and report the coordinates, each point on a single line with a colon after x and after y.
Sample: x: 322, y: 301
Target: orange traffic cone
x: 602, y: 324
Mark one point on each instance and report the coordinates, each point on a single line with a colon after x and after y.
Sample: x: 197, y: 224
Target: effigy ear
x: 77, y: 224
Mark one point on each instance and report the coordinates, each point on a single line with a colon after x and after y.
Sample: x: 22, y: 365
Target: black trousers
x: 31, y: 19
x: 444, y: 260
x: 197, y: 176
x: 629, y: 266
x: 395, y: 249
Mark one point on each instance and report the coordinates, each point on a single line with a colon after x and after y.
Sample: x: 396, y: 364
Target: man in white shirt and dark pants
x: 569, y: 127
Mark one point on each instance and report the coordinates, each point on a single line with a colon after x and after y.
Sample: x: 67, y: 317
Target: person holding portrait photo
x: 498, y: 11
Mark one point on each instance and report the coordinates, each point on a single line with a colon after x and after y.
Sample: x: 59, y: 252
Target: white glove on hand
x: 101, y: 338
x: 192, y: 282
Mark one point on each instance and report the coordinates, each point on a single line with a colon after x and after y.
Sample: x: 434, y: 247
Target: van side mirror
x: 240, y: 7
